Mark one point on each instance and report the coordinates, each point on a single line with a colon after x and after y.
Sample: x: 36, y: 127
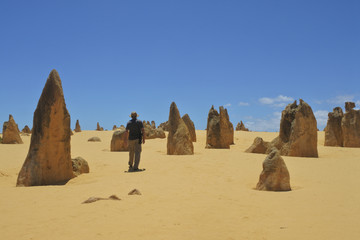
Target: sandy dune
x: 206, y: 196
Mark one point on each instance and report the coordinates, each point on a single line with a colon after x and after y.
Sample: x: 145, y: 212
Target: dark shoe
x: 139, y: 169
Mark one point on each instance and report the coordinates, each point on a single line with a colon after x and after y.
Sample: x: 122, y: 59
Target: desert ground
x: 208, y: 195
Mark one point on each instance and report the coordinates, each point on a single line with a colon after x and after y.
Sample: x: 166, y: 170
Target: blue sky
x: 114, y: 57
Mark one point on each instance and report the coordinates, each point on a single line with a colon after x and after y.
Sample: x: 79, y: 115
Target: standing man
x: 136, y: 134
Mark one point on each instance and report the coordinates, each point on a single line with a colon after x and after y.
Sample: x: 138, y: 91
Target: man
x: 136, y: 134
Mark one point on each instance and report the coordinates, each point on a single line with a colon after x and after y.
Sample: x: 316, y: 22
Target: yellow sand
x: 209, y: 195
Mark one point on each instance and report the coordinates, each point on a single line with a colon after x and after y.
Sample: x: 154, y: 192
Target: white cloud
x: 266, y: 100
x: 270, y: 124
x: 243, y: 104
x: 227, y: 105
x: 280, y: 105
x: 321, y: 118
x: 282, y: 98
x: 357, y: 103
x: 279, y: 101
x: 277, y: 115
x: 341, y: 99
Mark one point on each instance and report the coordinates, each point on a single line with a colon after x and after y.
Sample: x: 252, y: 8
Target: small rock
x: 94, y: 139
x: 134, y: 192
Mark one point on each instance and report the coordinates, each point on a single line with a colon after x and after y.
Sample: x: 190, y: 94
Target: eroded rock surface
x: 80, y: 166
x: 152, y: 133
x: 333, y: 131
x: 119, y: 141
x: 220, y: 131
x: 191, y: 127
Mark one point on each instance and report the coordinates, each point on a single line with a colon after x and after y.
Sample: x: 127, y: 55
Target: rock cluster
x: 119, y: 141
x: 343, y: 130
x: 49, y: 160
x: 164, y: 126
x: 220, y: 131
x: 77, y: 126
x: 11, y: 132
x: 297, y: 136
x: 191, y: 127
x: 152, y: 133
x: 179, y: 140
x: 275, y: 175
x: 241, y: 127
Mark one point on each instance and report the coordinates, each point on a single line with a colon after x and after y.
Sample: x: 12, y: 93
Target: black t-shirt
x: 134, y: 126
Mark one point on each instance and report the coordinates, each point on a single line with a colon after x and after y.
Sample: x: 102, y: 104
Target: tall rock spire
x: 49, y: 160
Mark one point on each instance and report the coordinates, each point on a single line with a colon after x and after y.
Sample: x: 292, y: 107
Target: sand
x: 209, y: 195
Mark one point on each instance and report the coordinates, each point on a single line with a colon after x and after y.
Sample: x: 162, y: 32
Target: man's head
x: 133, y: 115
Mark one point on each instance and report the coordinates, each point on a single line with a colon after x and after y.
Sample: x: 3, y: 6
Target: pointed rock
x: 98, y: 128
x: 26, y: 129
x: 227, y: 126
x: 178, y: 141
x: 11, y: 132
x: 49, y: 160
x: 191, y: 127
x: 275, y: 175
x: 77, y: 126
